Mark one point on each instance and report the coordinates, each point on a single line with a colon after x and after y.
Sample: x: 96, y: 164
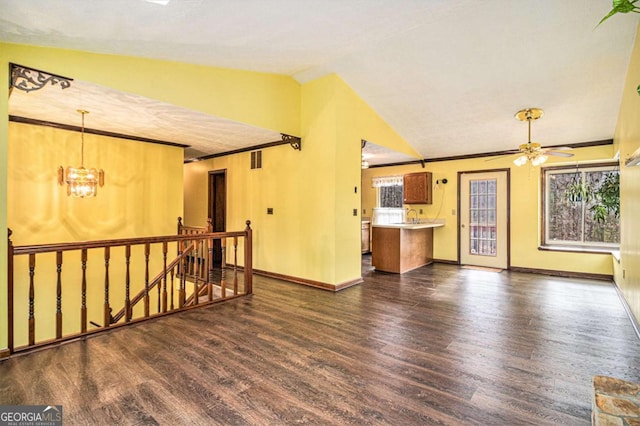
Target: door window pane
x: 482, y: 215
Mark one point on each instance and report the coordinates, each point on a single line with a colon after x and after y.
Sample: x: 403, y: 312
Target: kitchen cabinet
x: 366, y: 236
x: 417, y: 188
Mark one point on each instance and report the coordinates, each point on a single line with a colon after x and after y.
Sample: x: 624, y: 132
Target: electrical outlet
x: 355, y: 189
x: 453, y: 212
x: 269, y: 210
x: 355, y: 212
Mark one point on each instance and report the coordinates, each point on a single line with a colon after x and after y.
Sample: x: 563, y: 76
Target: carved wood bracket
x: 29, y: 79
x: 294, y: 141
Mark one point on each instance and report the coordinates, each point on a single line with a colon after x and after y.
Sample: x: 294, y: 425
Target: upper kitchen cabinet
x: 417, y: 188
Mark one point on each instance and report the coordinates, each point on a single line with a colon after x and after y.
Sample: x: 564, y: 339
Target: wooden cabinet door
x: 417, y: 188
x: 366, y: 238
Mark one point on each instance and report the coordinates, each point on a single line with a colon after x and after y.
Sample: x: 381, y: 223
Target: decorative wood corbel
x: 294, y: 141
x: 30, y: 79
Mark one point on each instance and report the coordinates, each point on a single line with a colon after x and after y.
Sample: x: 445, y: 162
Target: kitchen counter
x: 408, y: 225
x: 401, y: 247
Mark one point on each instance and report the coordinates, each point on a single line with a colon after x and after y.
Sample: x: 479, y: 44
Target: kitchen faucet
x: 414, y: 220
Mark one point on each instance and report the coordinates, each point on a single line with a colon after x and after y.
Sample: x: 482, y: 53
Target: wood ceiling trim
x: 492, y: 154
x: 34, y: 122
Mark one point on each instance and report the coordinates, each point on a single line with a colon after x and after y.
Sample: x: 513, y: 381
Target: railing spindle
x: 83, y: 307
x: 10, y: 290
x: 32, y: 318
x: 146, y: 279
x: 59, y: 295
x: 172, y: 290
x: 235, y: 266
x: 196, y: 274
x: 209, y: 249
x: 107, y: 308
x: 164, y: 279
x: 180, y: 250
x: 183, y: 278
x: 127, y: 283
x: 210, y: 245
x: 223, y: 267
x: 248, y: 259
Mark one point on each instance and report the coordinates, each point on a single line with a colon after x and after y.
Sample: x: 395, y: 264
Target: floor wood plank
x: 438, y: 345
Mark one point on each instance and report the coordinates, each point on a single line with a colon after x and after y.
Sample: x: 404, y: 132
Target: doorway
x: 218, y: 209
x: 483, y: 220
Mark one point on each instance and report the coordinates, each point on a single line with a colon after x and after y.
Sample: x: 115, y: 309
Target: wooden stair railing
x: 38, y: 285
x: 156, y: 280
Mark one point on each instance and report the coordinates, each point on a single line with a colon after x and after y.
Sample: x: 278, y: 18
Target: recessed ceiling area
x: 133, y: 115
x: 446, y: 75
x: 377, y: 155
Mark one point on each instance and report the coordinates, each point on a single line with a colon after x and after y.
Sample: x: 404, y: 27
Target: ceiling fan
x: 533, y: 151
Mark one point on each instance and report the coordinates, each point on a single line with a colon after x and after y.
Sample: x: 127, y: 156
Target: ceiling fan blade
x: 558, y: 154
x: 557, y: 148
x: 504, y: 154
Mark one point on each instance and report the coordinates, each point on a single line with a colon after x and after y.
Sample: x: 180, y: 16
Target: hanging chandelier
x: 81, y: 182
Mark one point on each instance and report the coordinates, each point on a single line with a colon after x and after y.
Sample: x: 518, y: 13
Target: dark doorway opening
x: 218, y: 209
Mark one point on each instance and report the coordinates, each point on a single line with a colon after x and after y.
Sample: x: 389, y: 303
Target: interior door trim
x: 508, y: 172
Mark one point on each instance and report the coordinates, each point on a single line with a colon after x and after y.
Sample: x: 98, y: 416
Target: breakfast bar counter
x: 401, y: 247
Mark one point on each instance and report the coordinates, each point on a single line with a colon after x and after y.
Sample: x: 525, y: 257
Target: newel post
x: 9, y: 292
x: 179, y: 225
x: 248, y: 259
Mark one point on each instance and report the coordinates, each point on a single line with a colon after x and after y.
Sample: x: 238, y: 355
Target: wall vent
x: 256, y: 159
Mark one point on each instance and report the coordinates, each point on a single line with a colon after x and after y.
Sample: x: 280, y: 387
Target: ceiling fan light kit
x: 533, y: 151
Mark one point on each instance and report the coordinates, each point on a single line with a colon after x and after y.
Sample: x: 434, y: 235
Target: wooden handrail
x: 193, y: 263
x: 47, y: 248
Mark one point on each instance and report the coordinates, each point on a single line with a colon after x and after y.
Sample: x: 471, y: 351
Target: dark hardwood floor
x: 438, y: 345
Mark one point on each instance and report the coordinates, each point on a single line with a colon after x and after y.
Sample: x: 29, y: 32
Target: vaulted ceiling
x: 447, y: 75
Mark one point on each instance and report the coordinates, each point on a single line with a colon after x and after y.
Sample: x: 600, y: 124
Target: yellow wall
x: 627, y: 140
x: 4, y: 132
x: 525, y: 210
x: 313, y: 233
x: 142, y: 195
x: 266, y: 100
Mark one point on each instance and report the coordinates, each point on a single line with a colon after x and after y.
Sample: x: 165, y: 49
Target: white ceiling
x: 447, y: 75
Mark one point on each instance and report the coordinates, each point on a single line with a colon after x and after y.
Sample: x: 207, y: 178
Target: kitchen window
x: 389, y: 198
x: 388, y: 191
x: 569, y: 208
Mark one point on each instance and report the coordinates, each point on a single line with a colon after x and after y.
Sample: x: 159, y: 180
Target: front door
x: 484, y: 221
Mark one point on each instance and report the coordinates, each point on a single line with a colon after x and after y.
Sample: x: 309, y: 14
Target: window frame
x: 590, y: 247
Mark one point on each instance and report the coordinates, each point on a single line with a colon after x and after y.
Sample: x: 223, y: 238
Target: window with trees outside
x: 390, y: 196
x: 581, y: 206
x: 389, y: 191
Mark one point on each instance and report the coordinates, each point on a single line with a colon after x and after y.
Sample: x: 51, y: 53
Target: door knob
x: 462, y: 226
